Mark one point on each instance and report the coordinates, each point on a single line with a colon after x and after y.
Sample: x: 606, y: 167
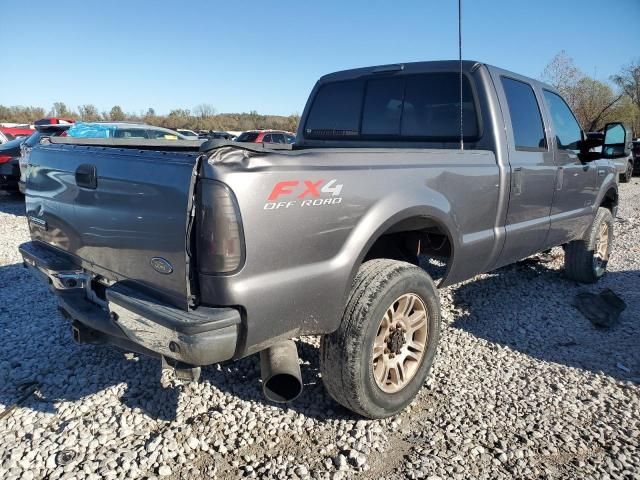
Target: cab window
x: 526, y: 121
x: 423, y: 107
x: 567, y: 129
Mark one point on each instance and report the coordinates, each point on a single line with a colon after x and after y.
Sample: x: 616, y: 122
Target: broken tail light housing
x: 220, y: 242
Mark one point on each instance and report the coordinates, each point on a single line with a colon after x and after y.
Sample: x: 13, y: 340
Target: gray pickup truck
x: 199, y: 254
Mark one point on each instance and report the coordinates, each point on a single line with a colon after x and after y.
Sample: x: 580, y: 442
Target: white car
x: 190, y: 134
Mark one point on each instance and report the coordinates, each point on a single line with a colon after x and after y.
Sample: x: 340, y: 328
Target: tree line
x: 203, y: 117
x: 594, y: 102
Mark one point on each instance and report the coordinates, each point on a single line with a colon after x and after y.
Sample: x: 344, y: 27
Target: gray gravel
x: 523, y: 387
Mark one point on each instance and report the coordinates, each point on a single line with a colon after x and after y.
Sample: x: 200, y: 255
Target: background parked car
x: 266, y: 136
x: 53, y: 121
x: 624, y: 165
x: 636, y: 157
x: 124, y: 130
x: 42, y: 131
x: 215, y: 134
x: 4, y: 138
x: 16, y: 132
x: 190, y: 134
x: 9, y: 167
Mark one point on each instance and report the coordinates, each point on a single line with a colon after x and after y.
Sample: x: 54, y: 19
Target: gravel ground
x: 523, y: 387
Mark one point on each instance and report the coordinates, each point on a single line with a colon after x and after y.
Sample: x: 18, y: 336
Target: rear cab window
x: 421, y: 107
x: 526, y: 119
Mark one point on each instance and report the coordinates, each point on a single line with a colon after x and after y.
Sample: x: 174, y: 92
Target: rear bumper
x: 126, y: 317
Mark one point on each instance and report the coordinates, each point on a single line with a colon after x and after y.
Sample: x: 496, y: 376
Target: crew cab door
x: 576, y: 186
x: 532, y: 169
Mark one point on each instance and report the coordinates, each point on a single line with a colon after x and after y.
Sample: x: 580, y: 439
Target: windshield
x: 33, y: 139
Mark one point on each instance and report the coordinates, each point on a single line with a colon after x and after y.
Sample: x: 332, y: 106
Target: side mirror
x: 591, y: 147
x: 617, y: 141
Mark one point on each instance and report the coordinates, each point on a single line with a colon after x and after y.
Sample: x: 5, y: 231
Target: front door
x: 576, y: 189
x: 533, y: 171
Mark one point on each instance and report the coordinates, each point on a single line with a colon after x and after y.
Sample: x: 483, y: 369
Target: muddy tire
x: 378, y: 359
x: 586, y: 260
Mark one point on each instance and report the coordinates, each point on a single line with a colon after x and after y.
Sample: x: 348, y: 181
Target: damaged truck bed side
x: 200, y: 254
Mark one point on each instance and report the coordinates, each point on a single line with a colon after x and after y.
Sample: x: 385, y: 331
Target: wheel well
x: 412, y: 238
x: 610, y: 200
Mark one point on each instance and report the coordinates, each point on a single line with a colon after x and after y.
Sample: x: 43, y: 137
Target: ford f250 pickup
x: 199, y: 254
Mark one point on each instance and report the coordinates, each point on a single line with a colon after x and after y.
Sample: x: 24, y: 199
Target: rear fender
x: 389, y: 212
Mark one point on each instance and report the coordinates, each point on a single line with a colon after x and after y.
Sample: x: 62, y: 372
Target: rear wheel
x: 586, y: 259
x: 378, y: 359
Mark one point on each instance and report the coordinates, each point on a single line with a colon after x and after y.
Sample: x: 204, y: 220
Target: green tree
x: 179, y: 118
x: 60, y: 109
x: 89, y: 113
x: 628, y: 79
x: 116, y: 114
x: 592, y: 101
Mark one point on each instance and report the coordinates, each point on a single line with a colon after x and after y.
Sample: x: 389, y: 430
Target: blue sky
x: 266, y: 56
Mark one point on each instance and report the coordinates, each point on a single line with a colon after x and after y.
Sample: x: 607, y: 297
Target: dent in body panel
x: 300, y: 261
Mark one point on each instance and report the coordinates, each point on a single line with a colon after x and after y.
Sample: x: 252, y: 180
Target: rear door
x: 576, y: 190
x: 116, y: 210
x: 533, y: 171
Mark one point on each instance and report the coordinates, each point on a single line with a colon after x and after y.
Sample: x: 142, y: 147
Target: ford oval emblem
x: 161, y: 265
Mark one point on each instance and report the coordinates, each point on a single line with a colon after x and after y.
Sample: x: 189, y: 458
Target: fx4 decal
x: 304, y: 193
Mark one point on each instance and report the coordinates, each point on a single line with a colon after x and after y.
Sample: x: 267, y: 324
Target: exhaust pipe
x: 281, y: 379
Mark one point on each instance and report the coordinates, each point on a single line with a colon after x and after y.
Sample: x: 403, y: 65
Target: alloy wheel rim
x: 400, y: 343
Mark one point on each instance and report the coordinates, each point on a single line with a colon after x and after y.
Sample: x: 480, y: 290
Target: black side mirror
x: 617, y: 141
x: 591, y: 141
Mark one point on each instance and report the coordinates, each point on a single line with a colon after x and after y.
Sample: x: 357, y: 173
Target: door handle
x: 560, y: 178
x: 516, y: 181
x: 86, y: 176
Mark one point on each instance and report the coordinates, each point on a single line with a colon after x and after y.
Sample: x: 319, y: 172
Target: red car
x: 16, y: 132
x: 266, y: 136
x: 53, y: 121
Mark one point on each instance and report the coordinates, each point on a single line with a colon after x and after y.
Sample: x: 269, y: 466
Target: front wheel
x: 586, y: 259
x: 626, y: 176
x: 378, y: 359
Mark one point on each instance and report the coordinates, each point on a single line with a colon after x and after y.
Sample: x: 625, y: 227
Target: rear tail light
x: 5, y: 158
x: 220, y: 241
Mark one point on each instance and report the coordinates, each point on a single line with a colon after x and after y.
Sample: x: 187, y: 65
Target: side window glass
x: 568, y: 132
x: 383, y: 106
x: 291, y: 139
x: 526, y: 120
x: 130, y: 133
x: 267, y: 138
x: 277, y: 137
